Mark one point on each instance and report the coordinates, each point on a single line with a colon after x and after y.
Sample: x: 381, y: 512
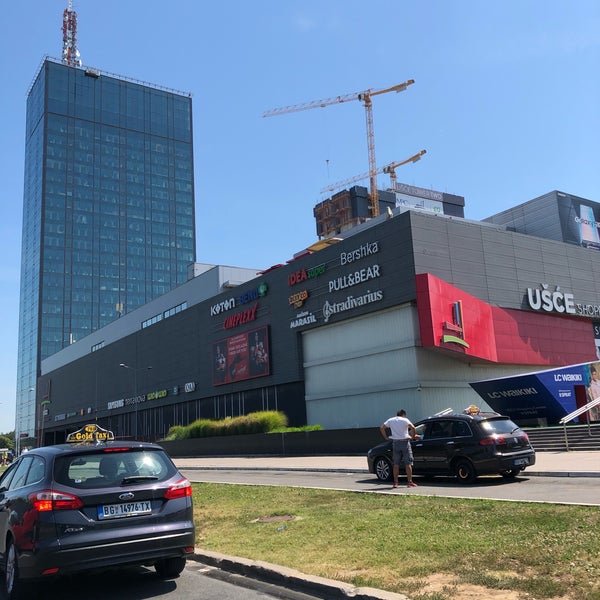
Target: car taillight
x: 181, y: 489
x: 490, y: 441
x: 47, y: 500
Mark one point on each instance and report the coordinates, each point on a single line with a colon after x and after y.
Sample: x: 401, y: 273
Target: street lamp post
x: 135, y: 391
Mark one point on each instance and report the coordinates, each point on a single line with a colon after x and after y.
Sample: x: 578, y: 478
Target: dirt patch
x: 274, y: 519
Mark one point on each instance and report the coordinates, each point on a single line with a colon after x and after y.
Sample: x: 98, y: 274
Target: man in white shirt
x: 402, y: 431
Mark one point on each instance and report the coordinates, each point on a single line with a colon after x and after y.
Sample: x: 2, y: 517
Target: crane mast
x: 365, y: 98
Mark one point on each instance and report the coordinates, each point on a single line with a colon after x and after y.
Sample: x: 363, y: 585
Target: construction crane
x: 365, y: 98
x: 388, y: 169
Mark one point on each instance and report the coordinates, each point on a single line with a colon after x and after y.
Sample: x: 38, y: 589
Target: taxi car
x: 83, y: 506
x: 464, y: 445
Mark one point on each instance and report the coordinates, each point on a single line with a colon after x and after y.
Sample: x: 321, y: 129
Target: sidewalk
x: 548, y: 464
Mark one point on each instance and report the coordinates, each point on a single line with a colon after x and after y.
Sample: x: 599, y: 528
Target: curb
x: 526, y: 473
x: 290, y: 578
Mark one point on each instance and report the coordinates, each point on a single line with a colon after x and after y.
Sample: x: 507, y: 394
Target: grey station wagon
x: 74, y: 507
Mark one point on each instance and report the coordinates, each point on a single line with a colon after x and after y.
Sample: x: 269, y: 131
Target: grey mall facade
x: 405, y: 310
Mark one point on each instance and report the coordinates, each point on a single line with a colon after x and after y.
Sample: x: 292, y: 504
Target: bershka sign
x: 349, y: 303
x: 355, y: 278
x: 359, y: 253
x: 558, y: 301
x: 304, y: 274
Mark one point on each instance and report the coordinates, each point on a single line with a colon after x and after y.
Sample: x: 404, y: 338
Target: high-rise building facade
x: 108, y: 210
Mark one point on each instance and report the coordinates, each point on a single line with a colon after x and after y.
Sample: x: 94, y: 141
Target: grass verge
x: 394, y: 542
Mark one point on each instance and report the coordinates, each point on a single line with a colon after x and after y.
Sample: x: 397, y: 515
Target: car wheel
x: 510, y: 474
x: 169, y: 568
x: 464, y: 471
x: 11, y: 572
x: 383, y: 469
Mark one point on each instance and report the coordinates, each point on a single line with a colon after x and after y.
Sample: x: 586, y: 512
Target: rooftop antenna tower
x: 70, y: 53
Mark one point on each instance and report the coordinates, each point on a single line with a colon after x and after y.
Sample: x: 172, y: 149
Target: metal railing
x: 584, y: 409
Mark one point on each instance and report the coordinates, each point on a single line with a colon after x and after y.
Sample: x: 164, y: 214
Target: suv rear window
x: 499, y: 426
x: 102, y: 469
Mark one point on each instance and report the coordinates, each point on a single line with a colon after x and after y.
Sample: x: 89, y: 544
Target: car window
x: 440, y: 429
x: 36, y: 471
x: 499, y: 426
x: 101, y: 469
x: 8, y: 475
x: 21, y: 473
x: 460, y: 429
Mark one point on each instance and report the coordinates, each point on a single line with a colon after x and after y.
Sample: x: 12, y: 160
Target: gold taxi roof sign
x: 90, y: 433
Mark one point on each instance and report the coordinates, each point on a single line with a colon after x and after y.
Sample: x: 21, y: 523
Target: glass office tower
x: 108, y: 210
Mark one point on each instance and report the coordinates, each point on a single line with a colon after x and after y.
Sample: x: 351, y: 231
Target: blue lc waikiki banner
x: 549, y: 395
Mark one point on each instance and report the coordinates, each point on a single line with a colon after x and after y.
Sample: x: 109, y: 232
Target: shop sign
x: 303, y: 318
x: 355, y: 278
x: 359, y: 253
x: 254, y: 294
x: 557, y: 301
x: 304, y: 274
x: 222, y: 306
x: 190, y: 386
x: 231, y: 303
x: 157, y: 395
x: 298, y: 299
x: 454, y: 332
x: 241, y: 318
x: 549, y: 301
x: 350, y: 303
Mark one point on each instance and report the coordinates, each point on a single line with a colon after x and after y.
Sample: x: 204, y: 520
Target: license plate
x: 521, y: 461
x: 127, y: 509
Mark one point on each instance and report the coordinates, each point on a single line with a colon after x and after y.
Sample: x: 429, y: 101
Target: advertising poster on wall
x: 242, y: 356
x: 580, y: 221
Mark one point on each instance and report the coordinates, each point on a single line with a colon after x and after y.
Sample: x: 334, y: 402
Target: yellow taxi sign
x: 90, y: 433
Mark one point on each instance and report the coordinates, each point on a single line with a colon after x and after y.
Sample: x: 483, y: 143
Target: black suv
x: 77, y: 507
x: 463, y: 445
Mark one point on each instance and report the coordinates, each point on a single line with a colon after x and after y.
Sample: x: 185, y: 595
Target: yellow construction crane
x: 389, y: 169
x: 365, y: 98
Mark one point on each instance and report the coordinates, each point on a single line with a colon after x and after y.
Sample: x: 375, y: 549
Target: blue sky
x: 506, y: 102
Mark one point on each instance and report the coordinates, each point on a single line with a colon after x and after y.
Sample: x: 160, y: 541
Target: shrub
x: 267, y: 421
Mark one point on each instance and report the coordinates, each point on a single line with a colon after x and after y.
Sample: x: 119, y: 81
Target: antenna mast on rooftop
x: 70, y: 53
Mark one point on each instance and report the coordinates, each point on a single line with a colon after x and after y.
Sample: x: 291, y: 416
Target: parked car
x: 462, y: 445
x: 77, y: 507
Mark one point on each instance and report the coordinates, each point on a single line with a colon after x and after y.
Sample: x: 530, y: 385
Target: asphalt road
x: 138, y: 583
x: 554, y: 490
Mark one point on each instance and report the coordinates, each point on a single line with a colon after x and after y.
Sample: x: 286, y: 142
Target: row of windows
x: 166, y: 314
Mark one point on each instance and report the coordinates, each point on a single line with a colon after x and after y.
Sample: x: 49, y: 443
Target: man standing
x: 402, y: 431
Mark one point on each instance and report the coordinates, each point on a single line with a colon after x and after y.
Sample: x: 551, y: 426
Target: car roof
x: 483, y: 416
x: 61, y: 449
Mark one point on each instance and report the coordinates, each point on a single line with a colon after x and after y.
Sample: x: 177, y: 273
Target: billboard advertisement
x: 580, y: 221
x: 550, y: 394
x: 242, y: 356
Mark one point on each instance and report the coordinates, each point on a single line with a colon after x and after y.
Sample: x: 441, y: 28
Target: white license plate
x: 521, y: 461
x: 127, y: 509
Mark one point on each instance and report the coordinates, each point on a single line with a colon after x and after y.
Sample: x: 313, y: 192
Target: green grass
x: 395, y: 542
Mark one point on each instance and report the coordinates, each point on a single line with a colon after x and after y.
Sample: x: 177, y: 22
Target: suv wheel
x: 464, y: 471
x: 383, y: 469
x: 11, y: 572
x: 169, y: 568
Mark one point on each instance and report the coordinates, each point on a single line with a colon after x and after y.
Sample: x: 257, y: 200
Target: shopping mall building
x: 407, y: 309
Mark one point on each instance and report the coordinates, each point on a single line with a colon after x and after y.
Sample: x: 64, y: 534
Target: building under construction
x: 352, y: 206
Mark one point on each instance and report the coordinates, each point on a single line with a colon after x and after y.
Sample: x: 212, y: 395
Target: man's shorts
x: 402, y: 452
